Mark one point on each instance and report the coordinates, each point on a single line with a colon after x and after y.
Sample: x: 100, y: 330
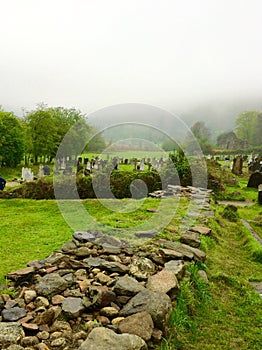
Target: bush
x: 90, y: 187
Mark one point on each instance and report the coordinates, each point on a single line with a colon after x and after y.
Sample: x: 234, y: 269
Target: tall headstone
x: 255, y: 180
x: 41, y: 170
x: 27, y: 174
x: 237, y: 165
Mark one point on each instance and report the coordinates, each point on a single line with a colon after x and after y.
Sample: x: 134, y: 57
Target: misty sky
x: 197, y: 58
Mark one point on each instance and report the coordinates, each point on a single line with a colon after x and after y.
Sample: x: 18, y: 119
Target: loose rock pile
x: 98, y: 293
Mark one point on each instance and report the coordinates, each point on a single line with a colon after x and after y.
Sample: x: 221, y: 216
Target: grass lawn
x: 225, y: 315
x: 33, y: 229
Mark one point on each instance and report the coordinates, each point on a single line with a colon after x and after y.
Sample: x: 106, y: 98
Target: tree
x: 245, y: 126
x: 169, y: 145
x: 43, y: 132
x: 258, y: 131
x: 200, y: 131
x: 96, y: 143
x: 48, y: 126
x: 202, y: 135
x: 12, y: 139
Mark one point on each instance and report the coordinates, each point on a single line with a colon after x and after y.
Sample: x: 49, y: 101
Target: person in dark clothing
x: 2, y: 183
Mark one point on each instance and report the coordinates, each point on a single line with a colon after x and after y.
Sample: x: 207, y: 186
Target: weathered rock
x: 115, y: 267
x: 13, y: 314
x: 44, y: 335
x: 203, y: 230
x: 10, y: 333
x: 127, y: 285
x: 146, y: 234
x: 103, y: 278
x: 117, y: 320
x: 42, y: 346
x: 94, y: 262
x: 29, y: 341
x: 61, y: 326
x: 109, y: 311
x: 83, y: 252
x: 110, y: 249
x: 81, y: 275
x: 191, y: 238
x: 72, y: 307
x: 55, y: 258
x: 84, y: 236
x: 10, y: 303
x: 100, y: 296
x: 164, y: 281
x: 30, y: 326
x: 50, y: 285
x: 106, y: 240
x: 41, y: 301
x: 15, y: 347
x: 157, y: 304
x: 186, y: 250
x: 170, y: 253
x: 21, y: 275
x: 177, y: 248
x: 198, y: 254
x: 203, y: 274
x: 46, y: 317
x: 177, y: 267
x: 140, y: 324
x: 104, y: 339
x: 58, y: 343
x: 29, y: 295
x: 69, y: 247
x: 142, y: 268
x: 57, y: 299
x: 157, y: 334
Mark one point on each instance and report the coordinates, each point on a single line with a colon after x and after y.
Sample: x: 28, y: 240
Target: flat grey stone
x: 51, y: 284
x: 105, y: 339
x: 157, y: 304
x: 13, y: 314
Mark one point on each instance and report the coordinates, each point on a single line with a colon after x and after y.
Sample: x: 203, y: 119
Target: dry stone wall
x: 97, y: 293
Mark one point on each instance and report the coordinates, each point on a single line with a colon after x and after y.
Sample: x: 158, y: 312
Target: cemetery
x: 95, y: 290
x: 131, y: 175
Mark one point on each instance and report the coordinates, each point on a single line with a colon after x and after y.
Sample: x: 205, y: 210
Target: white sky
x: 90, y: 54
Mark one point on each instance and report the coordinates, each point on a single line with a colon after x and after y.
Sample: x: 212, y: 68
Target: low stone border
x: 97, y: 292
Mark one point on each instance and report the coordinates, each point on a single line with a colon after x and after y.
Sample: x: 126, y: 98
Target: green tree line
x: 38, y: 134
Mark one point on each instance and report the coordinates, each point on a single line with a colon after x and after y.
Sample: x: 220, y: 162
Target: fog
x: 200, y: 60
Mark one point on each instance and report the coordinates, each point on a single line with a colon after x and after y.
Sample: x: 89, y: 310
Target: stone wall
x: 97, y: 293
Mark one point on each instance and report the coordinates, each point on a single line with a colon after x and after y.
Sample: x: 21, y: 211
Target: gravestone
x: 46, y: 170
x: 41, y: 170
x: 237, y: 165
x: 27, y: 174
x: 260, y: 194
x: 255, y: 180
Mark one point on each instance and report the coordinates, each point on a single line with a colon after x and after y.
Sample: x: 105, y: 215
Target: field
x: 225, y: 315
